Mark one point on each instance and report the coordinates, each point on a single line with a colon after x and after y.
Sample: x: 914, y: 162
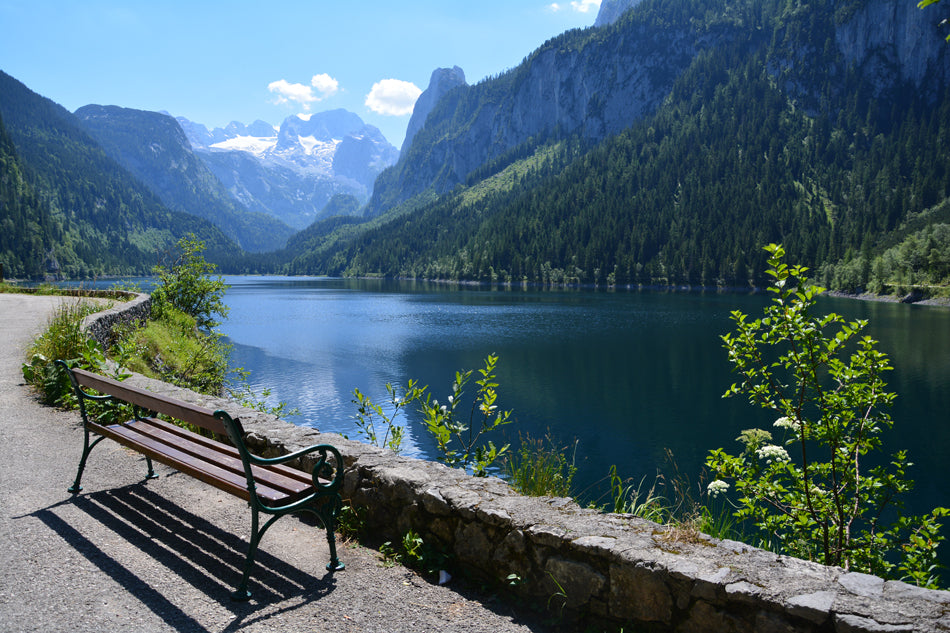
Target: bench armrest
x: 236, y: 431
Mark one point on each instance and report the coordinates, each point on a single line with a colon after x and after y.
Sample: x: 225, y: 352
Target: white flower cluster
x: 717, y: 487
x: 786, y: 423
x: 772, y: 453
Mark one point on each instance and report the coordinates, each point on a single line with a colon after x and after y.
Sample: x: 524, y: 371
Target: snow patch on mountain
x: 257, y: 145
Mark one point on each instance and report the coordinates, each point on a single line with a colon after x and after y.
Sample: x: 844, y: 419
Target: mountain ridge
x: 292, y: 171
x: 91, y: 216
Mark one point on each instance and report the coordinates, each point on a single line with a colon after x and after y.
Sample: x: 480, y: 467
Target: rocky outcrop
x: 611, y: 10
x: 441, y: 81
x: 292, y: 171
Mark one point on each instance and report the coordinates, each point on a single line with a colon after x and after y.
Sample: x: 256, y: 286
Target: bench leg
x: 335, y: 563
x: 328, y: 518
x: 242, y: 593
x: 86, y: 449
x: 151, y: 471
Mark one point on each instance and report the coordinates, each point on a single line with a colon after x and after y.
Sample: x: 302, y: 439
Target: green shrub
x: 813, y: 495
x: 63, y: 339
x: 186, y: 284
x: 541, y: 468
x: 457, y: 434
x: 376, y: 425
x: 171, y: 348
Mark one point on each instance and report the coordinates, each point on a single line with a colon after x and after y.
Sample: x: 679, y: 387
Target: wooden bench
x: 269, y: 486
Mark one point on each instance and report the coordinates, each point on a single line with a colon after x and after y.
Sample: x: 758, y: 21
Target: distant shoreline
x: 939, y: 302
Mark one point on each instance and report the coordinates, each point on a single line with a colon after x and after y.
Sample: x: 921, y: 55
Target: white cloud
x: 580, y: 6
x: 292, y: 93
x: 393, y: 97
x: 326, y: 85
x: 583, y: 6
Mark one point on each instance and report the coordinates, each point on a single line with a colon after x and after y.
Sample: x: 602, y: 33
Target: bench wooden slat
x: 222, y: 455
x: 187, y: 412
x: 210, y: 473
x: 227, y: 449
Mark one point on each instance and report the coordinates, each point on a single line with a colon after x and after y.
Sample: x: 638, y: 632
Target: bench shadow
x: 200, y: 553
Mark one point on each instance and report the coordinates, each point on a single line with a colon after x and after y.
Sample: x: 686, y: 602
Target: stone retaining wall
x: 99, y: 325
x: 616, y: 569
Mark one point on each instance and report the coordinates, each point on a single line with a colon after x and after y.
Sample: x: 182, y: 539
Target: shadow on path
x: 198, y: 552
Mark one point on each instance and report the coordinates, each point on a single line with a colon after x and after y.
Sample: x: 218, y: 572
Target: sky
x: 214, y: 61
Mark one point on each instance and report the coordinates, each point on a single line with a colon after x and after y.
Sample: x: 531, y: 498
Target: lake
x: 628, y: 375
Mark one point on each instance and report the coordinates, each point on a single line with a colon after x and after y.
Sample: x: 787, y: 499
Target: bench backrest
x: 184, y: 411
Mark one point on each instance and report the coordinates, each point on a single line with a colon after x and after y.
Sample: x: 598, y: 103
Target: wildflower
x: 786, y: 423
x: 772, y: 453
x: 717, y: 487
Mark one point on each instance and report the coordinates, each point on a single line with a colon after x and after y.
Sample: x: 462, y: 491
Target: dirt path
x: 162, y: 556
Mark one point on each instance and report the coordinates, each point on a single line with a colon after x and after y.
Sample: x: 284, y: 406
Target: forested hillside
x: 791, y: 123
x: 74, y: 211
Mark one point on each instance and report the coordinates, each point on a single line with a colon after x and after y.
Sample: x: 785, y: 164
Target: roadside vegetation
x: 178, y: 345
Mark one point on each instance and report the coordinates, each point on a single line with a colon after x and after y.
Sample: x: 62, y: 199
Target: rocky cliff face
x: 895, y: 43
x: 611, y: 10
x: 593, y: 88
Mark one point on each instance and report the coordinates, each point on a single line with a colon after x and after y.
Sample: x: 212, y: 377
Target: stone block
x: 577, y: 582
x: 638, y: 593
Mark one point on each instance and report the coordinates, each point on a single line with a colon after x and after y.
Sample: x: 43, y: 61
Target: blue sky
x: 214, y: 61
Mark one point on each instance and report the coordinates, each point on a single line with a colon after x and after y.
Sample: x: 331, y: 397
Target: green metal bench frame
x: 266, y: 484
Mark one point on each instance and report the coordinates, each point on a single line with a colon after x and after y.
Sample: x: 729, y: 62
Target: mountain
x: 667, y: 147
x: 292, y: 171
x: 600, y: 81
x: 81, y: 213
x: 153, y: 147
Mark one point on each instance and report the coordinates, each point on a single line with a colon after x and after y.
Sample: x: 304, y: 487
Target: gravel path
x: 162, y: 556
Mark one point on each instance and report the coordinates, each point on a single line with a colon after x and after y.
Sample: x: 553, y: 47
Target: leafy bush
x: 814, y: 495
x: 172, y: 348
x: 457, y: 436
x: 187, y: 285
x: 372, y: 420
x: 458, y: 440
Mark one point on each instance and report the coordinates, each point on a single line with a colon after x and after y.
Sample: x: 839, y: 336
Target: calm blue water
x: 627, y: 374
